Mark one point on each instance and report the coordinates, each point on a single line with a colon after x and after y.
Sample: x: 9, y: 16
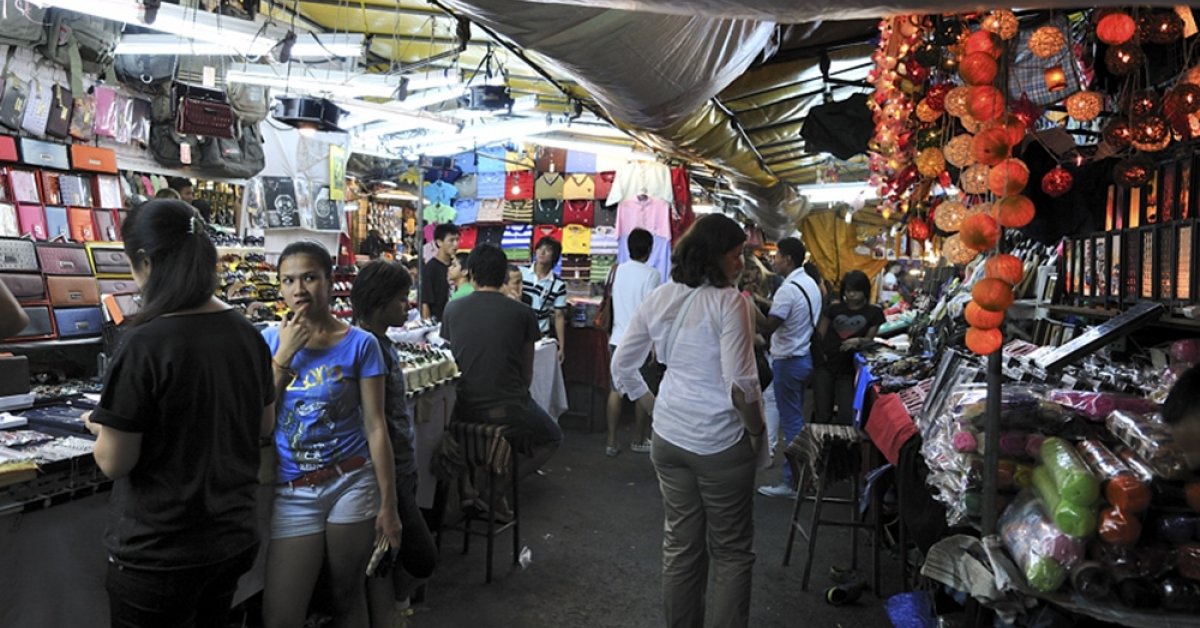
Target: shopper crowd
x: 318, y: 407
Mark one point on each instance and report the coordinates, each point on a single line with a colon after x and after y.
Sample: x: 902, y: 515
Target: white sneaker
x: 777, y: 490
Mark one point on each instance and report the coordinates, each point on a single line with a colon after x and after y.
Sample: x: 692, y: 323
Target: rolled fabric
x: 1072, y: 478
x: 1033, y: 446
x: 1122, y: 488
x: 1188, y: 561
x: 1152, y: 440
x: 1023, y: 476
x: 1176, y: 529
x: 1136, y: 464
x: 1036, y: 545
x: 1012, y: 444
x: 1092, y: 580
x: 1119, y: 528
x: 1071, y: 518
x: 964, y: 442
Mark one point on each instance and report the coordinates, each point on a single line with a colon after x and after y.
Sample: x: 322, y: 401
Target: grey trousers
x: 709, y: 504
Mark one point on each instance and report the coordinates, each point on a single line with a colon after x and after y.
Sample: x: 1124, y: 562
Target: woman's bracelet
x: 281, y: 367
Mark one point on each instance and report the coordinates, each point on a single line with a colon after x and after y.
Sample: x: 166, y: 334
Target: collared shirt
x: 712, y: 356
x: 633, y: 281
x: 548, y: 294
x: 794, y: 337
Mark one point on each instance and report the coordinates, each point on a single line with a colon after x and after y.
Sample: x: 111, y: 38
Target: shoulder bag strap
x: 811, y: 312
x: 683, y: 312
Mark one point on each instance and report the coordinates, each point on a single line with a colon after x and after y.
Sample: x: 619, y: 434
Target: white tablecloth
x: 548, y: 388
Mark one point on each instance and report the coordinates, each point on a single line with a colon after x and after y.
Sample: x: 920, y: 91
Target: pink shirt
x: 651, y: 214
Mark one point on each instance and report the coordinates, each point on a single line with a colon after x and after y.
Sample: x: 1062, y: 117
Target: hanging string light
x: 1084, y: 106
x: 958, y: 150
x: 1047, y: 42
x: 1122, y: 60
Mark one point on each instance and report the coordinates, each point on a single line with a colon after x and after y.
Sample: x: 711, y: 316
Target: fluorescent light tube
x: 336, y: 83
x: 339, y: 45
x: 837, y: 192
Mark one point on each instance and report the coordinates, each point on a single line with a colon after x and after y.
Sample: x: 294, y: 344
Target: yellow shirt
x: 577, y: 240
x: 579, y: 187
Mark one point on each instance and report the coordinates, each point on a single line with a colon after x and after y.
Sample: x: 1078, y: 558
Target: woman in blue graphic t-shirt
x: 335, y: 494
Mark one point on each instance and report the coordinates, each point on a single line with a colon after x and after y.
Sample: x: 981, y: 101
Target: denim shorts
x: 304, y: 510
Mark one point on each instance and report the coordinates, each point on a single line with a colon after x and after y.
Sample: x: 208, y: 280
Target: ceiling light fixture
x: 824, y: 193
x: 334, y: 83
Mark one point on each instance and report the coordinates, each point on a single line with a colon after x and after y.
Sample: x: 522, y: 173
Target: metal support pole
x: 991, y: 439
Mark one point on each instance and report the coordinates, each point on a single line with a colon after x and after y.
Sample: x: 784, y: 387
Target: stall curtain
x: 831, y: 243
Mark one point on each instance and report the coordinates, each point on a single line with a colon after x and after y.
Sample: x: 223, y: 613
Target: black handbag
x: 12, y: 103
x: 239, y: 157
x: 145, y: 73
x: 167, y: 146
x: 62, y: 103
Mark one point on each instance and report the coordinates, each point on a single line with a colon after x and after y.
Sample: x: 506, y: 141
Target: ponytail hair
x: 183, y: 260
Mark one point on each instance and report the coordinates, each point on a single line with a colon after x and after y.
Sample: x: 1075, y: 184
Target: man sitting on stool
x: 492, y: 339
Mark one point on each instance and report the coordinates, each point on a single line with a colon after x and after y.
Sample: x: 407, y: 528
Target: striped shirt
x: 548, y: 294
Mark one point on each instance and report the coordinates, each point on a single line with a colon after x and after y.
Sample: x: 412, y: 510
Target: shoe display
x: 641, y: 448
x: 777, y: 490
x: 612, y: 452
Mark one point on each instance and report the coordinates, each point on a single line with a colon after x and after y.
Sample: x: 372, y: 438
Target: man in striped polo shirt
x: 546, y: 290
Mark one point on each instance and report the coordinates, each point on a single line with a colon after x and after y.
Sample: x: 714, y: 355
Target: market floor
x: 594, y: 527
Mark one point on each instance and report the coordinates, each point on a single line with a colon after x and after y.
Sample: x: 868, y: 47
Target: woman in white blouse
x: 708, y: 422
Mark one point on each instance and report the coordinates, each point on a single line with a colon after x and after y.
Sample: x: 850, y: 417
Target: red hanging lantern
x: 978, y: 68
x: 1115, y: 28
x: 990, y: 146
x: 993, y: 295
x: 1008, y: 177
x: 980, y: 232
x: 983, y: 41
x: 1057, y: 182
x: 985, y: 103
x: 1133, y: 173
x: 1015, y: 211
x: 1007, y: 267
x: 918, y: 229
x: 984, y: 341
x: 1015, y: 129
x: 1122, y: 60
x: 980, y: 318
x: 936, y: 96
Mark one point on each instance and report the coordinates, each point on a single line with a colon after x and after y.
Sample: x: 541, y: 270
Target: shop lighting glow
x: 333, y: 82
x: 852, y: 193
x: 308, y: 45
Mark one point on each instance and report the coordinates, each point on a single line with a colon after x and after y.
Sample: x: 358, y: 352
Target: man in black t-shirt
x: 492, y: 337
x: 435, y: 281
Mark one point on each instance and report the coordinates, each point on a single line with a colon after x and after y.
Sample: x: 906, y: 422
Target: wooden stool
x: 494, y: 446
x: 823, y: 455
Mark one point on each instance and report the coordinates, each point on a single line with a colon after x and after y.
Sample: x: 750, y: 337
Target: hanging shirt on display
x: 518, y: 211
x: 577, y: 240
x: 489, y: 235
x: 579, y: 212
x: 681, y: 211
x: 490, y: 159
x: 490, y: 210
x: 466, y: 211
x: 438, y: 214
x: 602, y: 265
x: 518, y: 186
x: 551, y: 159
x: 605, y: 215
x: 440, y: 192
x: 465, y: 162
x: 548, y: 294
x: 549, y: 186
x: 466, y: 187
x: 579, y: 161
x: 490, y: 184
x: 517, y: 161
x: 517, y: 237
x: 467, y: 237
x: 607, y: 162
x: 604, y: 241
x: 548, y: 212
x: 650, y: 214
x: 579, y: 187
x: 576, y: 267
x: 602, y: 183
x: 642, y: 177
x: 545, y: 231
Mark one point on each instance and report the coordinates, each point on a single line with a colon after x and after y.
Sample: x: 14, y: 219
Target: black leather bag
x: 167, y: 146
x: 145, y: 73
x: 62, y: 103
x: 240, y: 157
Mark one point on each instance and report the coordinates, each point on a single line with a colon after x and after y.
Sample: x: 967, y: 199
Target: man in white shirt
x: 792, y: 322
x: 632, y: 282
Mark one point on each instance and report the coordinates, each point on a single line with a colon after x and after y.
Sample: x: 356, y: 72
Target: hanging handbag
x: 146, y: 73
x: 37, y: 108
x: 251, y: 103
x: 171, y: 149
x: 12, y: 103
x: 604, y: 316
x: 58, y: 123
x: 202, y: 111
x: 83, y: 117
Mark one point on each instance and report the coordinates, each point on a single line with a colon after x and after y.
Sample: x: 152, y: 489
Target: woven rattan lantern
x: 1084, y: 106
x: 958, y: 151
x: 1002, y: 22
x: 1047, y: 42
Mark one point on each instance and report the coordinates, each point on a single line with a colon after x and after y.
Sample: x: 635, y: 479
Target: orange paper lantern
x: 984, y: 341
x: 980, y: 232
x: 978, y: 68
x: 1055, y: 78
x: 982, y: 319
x: 1115, y: 28
x: 1006, y: 267
x: 990, y: 146
x: 993, y: 295
x: 983, y: 41
x: 1015, y: 211
x: 1015, y: 129
x: 986, y: 103
x: 1008, y: 177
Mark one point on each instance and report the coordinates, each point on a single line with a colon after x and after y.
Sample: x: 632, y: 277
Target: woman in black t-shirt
x: 845, y: 326
x: 186, y: 399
